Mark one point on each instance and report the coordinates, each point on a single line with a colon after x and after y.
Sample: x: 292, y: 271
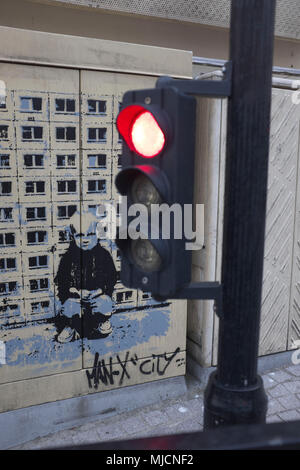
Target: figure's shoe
x: 67, y: 335
x: 104, y: 328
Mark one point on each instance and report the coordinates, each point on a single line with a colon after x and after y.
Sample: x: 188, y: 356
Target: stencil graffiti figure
x: 85, y: 282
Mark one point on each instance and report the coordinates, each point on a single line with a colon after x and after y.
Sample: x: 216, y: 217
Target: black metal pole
x: 235, y: 392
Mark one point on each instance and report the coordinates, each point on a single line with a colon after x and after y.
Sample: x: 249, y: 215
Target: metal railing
x: 221, y: 63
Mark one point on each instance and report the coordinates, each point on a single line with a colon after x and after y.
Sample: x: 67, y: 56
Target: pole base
x: 228, y: 406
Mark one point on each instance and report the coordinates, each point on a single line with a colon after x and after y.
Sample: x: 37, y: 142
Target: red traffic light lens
x: 147, y: 137
x: 141, y: 131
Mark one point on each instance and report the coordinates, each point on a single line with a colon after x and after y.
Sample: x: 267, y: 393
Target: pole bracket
x: 201, y: 291
x: 208, y: 88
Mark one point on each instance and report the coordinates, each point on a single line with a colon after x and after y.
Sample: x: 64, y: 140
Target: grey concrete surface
x: 33, y: 422
x: 177, y: 414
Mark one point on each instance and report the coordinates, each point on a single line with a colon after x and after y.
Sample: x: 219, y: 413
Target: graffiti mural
x: 62, y: 305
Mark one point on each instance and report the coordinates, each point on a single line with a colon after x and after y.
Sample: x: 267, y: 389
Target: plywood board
x: 279, y: 309
x: 281, y: 206
x: 280, y: 302
x: 294, y: 317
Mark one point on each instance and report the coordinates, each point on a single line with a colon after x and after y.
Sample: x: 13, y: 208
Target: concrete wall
x: 91, y: 22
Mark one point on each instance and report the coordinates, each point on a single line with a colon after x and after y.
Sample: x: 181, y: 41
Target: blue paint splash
x: 129, y: 330
x: 39, y: 349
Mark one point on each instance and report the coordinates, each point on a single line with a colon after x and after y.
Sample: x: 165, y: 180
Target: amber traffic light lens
x: 144, y: 192
x: 145, y: 256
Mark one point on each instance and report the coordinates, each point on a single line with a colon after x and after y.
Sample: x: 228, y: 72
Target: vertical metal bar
x: 235, y: 392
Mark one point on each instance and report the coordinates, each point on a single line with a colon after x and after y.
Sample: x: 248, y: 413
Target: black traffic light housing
x: 235, y: 392
x: 171, y: 172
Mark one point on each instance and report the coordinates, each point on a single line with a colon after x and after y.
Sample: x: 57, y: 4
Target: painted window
x: 40, y: 307
x: 65, y: 212
x: 5, y: 188
x: 33, y: 160
x: 97, y: 186
x: 7, y: 239
x: 124, y: 296
x: 4, y: 161
x: 64, y: 236
x: 97, y: 209
x: 97, y: 160
x: 36, y: 213
x: 35, y: 187
x: 12, y: 309
x: 64, y: 105
x: 36, y: 262
x: 96, y: 106
x: 8, y: 264
x: 64, y: 186
x: 8, y: 288
x: 32, y: 133
x: 3, y: 132
x: 65, y: 161
x: 38, y: 285
x: 37, y: 237
x: 30, y: 105
x: 66, y: 133
x: 97, y: 134
x: 6, y: 214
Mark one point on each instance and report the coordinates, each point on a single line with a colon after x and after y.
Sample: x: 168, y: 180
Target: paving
x: 179, y: 415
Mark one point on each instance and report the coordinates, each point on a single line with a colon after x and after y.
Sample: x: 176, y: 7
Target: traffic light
x: 158, y: 130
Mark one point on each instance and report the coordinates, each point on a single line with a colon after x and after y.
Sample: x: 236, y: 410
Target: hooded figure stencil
x: 85, y: 282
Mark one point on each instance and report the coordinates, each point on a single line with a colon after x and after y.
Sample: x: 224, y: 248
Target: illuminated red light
x: 146, y: 135
x: 141, y: 131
